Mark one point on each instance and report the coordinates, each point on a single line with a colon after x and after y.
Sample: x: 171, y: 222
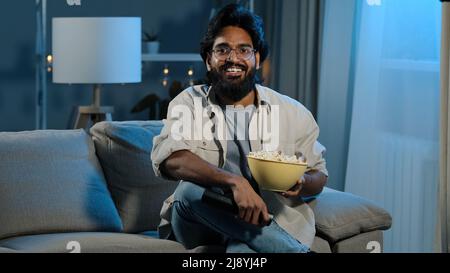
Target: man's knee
x: 188, y: 192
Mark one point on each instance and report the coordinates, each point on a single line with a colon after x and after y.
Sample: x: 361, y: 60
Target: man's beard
x: 234, y: 90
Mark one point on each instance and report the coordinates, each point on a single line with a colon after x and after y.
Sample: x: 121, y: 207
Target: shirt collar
x: 263, y: 99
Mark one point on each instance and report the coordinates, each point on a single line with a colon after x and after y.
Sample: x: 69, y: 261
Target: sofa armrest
x: 340, y: 215
x: 7, y: 250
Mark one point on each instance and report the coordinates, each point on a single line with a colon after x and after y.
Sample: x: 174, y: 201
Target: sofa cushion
x: 340, y: 215
x: 51, y: 181
x: 320, y: 245
x: 124, y: 151
x: 367, y: 242
x: 90, y: 242
x: 7, y: 250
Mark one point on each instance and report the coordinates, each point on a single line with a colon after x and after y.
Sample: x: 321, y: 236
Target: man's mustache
x: 231, y: 64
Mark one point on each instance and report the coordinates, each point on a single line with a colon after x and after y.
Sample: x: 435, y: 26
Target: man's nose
x: 232, y: 56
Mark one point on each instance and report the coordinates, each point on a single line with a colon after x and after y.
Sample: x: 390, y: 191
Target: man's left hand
x: 296, y: 189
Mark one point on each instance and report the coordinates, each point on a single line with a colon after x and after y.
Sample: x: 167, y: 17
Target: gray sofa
x: 67, y: 191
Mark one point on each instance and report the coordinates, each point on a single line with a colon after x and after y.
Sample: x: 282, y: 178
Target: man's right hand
x: 252, y: 208
x: 185, y: 165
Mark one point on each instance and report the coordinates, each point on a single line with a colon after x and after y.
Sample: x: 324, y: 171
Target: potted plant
x: 151, y: 43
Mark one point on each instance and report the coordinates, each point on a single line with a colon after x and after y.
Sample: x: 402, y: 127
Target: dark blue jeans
x: 195, y: 223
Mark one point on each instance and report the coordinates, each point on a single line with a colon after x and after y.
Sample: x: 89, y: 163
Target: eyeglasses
x: 244, y: 52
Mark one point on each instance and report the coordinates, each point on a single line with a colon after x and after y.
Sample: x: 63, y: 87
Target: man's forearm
x: 314, y: 183
x: 185, y: 165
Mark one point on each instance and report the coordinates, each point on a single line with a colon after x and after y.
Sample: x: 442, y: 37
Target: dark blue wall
x: 180, y: 25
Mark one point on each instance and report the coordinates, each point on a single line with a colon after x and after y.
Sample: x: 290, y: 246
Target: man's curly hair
x: 236, y: 15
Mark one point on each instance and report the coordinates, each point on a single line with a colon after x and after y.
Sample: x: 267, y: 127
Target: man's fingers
x: 241, y: 213
x: 248, y: 215
x: 289, y: 194
x: 255, y: 216
x: 265, y: 216
x: 295, y: 190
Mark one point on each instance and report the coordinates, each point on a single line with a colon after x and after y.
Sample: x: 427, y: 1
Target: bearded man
x: 209, y: 131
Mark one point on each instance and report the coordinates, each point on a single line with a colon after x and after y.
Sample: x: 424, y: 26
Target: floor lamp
x: 41, y: 65
x: 99, y: 50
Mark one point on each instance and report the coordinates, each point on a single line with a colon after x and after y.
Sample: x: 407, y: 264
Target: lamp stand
x: 41, y: 65
x: 87, y: 116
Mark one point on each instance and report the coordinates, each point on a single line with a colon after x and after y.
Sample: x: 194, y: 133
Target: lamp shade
x: 96, y: 50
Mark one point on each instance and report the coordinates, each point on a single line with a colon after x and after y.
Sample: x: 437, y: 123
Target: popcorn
x: 278, y: 156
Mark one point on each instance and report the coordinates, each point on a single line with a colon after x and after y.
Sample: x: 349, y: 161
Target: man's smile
x: 234, y: 71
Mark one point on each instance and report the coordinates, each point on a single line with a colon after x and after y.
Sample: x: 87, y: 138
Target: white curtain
x: 394, y: 137
x: 443, y: 228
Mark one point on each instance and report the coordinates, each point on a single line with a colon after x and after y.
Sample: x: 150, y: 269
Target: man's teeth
x: 234, y: 69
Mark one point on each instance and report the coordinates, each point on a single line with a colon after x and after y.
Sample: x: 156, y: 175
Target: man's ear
x: 208, y: 62
x: 257, y: 58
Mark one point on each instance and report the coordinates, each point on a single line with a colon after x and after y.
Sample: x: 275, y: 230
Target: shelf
x: 172, y: 57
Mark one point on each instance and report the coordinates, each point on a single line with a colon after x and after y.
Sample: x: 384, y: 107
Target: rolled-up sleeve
x: 310, y: 147
x: 169, y: 141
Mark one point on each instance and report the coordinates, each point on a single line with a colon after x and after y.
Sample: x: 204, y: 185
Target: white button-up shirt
x: 195, y: 122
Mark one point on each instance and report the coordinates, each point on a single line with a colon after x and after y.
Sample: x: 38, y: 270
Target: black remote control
x: 220, y: 201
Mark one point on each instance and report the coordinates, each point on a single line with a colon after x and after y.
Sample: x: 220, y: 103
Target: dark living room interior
x: 76, y: 171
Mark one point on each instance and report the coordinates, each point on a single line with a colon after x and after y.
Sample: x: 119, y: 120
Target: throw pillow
x: 124, y: 150
x: 51, y: 182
